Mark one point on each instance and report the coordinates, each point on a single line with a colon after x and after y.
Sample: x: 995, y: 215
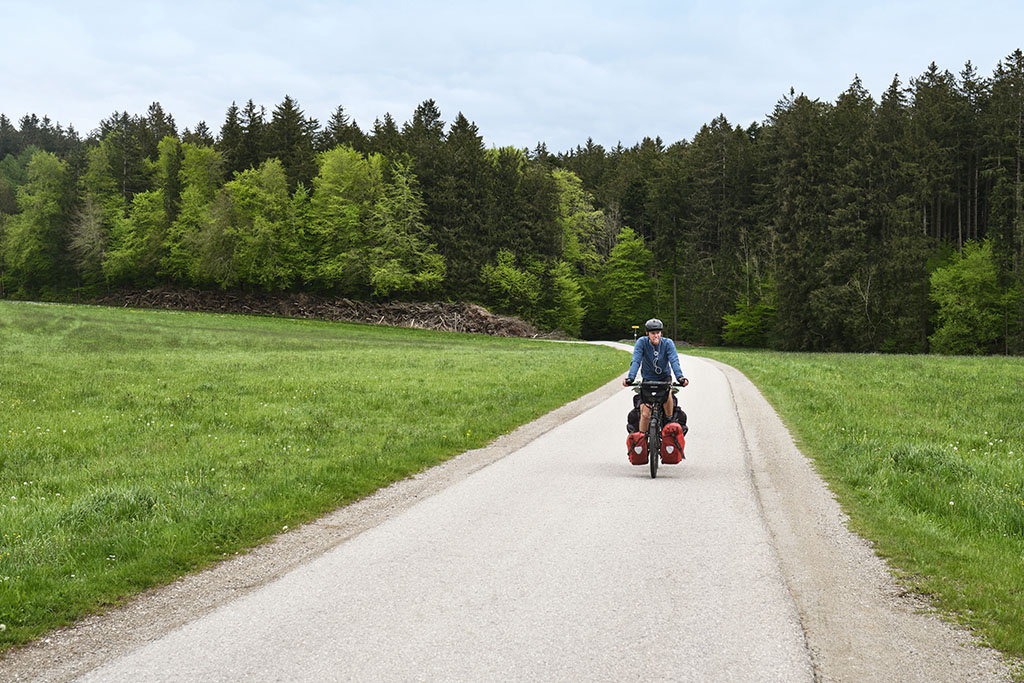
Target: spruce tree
x: 252, y: 145
x: 341, y: 130
x: 459, y: 221
x: 229, y: 143
x: 386, y: 139
x: 289, y: 138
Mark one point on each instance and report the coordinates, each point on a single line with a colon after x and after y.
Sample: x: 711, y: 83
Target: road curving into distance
x: 546, y: 556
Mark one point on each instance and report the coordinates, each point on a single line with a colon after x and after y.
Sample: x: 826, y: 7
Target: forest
x: 891, y: 226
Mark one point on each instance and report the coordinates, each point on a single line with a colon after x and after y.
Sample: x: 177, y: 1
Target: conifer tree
x: 9, y: 138
x: 386, y: 139
x: 200, y: 136
x: 341, y: 130
x: 460, y: 207
x: 904, y: 250
x: 252, y: 145
x: 229, y: 143
x: 290, y: 138
x: 1005, y: 165
x: 154, y: 127
x: 803, y: 191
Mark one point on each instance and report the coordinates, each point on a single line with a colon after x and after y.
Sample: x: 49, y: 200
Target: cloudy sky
x: 524, y: 72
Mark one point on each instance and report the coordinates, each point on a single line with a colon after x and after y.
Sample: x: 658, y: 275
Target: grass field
x: 926, y: 454
x: 138, y: 445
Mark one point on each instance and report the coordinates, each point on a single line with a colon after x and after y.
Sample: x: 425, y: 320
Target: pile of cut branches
x: 450, y: 317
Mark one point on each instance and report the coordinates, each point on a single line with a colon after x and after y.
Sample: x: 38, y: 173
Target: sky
x: 557, y: 72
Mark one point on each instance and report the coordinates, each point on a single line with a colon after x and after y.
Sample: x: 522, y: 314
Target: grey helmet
x: 654, y: 325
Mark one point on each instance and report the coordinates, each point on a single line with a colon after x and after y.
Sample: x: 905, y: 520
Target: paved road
x: 560, y: 561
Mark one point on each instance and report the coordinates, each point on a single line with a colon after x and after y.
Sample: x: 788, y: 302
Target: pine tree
x: 154, y: 127
x: 625, y: 292
x: 289, y: 138
x: 401, y: 261
x: 1005, y: 165
x: 934, y: 136
x: 460, y: 202
x: 799, y: 151
x: 845, y: 303
x: 122, y: 135
x: 251, y: 149
x: 10, y: 142
x: 904, y: 248
x: 386, y: 139
x: 200, y: 136
x: 201, y: 177
x: 342, y: 130
x: 229, y: 143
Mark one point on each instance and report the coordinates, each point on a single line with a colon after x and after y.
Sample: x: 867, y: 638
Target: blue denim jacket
x: 654, y: 361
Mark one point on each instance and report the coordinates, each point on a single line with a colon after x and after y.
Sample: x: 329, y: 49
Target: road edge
x: 859, y: 623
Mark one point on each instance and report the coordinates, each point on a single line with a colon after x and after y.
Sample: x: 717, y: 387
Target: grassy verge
x: 926, y: 454
x: 137, y: 445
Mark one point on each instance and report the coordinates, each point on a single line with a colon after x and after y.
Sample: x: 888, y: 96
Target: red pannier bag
x: 672, y: 443
x: 636, y: 447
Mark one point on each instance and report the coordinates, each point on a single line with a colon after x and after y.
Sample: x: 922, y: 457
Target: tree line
x: 854, y: 225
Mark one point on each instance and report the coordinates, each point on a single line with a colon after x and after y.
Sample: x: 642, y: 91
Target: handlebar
x: 652, y: 383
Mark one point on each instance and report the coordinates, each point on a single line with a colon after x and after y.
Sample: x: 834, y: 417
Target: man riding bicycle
x: 654, y: 356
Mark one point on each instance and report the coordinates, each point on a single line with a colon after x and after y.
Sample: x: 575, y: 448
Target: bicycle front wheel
x: 654, y: 443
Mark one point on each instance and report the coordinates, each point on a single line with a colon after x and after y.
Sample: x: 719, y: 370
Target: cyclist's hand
x: 626, y: 382
x: 682, y: 382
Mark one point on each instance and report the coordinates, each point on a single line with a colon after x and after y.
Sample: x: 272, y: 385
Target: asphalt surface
x: 558, y: 560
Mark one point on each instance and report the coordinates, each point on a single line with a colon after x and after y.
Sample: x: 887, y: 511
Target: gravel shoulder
x: 857, y: 623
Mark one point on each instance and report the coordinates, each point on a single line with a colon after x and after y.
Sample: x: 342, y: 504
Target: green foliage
x: 400, y: 260
x: 562, y: 301
x: 35, y: 240
x: 290, y: 139
x: 837, y: 207
x: 625, y: 285
x: 168, y: 175
x: 137, y: 242
x: 511, y: 289
x: 583, y: 228
x: 100, y: 185
x: 751, y: 325
x: 970, y: 303
x: 265, y: 250
x: 344, y: 194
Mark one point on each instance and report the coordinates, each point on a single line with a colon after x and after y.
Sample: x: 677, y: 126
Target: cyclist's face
x: 654, y: 336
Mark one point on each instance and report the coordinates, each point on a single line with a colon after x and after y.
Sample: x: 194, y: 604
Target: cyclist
x: 654, y: 356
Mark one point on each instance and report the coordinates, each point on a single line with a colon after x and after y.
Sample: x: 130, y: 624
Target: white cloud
x: 524, y: 72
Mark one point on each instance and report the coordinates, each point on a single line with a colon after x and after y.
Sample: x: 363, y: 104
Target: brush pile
x: 449, y: 317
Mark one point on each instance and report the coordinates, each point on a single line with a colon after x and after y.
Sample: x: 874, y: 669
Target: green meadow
x: 926, y: 454
x: 139, y: 445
